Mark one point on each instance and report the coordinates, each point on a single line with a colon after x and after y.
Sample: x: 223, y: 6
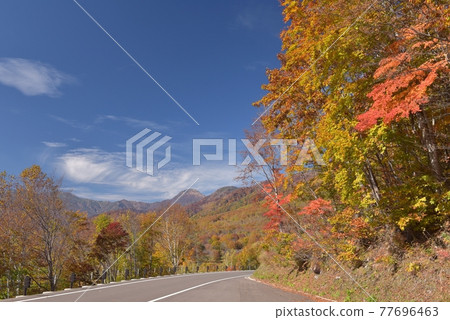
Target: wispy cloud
x: 32, y: 78
x: 247, y: 19
x: 256, y: 15
x: 96, y: 167
x: 71, y: 123
x: 256, y: 65
x: 54, y: 144
x: 131, y: 122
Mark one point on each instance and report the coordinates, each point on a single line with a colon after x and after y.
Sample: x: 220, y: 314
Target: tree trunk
x: 429, y: 142
x: 372, y: 181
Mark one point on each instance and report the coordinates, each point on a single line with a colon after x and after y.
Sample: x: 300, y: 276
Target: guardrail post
x: 72, y: 279
x: 207, y: 268
x: 26, y: 285
x: 198, y: 268
x: 186, y: 269
x: 7, y: 287
x: 127, y: 273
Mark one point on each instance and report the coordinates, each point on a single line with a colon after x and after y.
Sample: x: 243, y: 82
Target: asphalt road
x: 203, y: 287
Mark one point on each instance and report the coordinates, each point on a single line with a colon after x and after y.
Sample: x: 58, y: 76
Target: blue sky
x: 70, y: 97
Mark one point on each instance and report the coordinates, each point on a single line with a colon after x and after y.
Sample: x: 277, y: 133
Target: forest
x: 368, y: 82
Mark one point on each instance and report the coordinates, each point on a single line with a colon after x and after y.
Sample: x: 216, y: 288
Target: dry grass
x: 422, y: 273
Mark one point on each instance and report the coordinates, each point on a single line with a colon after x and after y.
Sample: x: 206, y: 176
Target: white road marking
x: 111, y: 286
x: 192, y: 288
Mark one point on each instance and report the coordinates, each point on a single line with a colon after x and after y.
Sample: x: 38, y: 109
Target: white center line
x: 192, y: 288
x: 114, y: 285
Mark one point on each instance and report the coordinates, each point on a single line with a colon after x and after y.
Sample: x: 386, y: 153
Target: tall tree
x: 43, y: 211
x: 109, y: 247
x: 175, y: 228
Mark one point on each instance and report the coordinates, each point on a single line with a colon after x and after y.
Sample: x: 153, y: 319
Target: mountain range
x: 193, y: 200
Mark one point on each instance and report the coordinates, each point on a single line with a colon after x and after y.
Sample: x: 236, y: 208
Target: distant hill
x: 230, y: 210
x: 222, y: 200
x: 94, y: 207
x: 225, y: 199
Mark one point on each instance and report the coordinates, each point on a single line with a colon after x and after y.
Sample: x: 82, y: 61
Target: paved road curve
x: 216, y: 286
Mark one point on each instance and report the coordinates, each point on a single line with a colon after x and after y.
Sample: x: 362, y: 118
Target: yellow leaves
x: 31, y: 173
x: 413, y: 267
x: 421, y: 203
x: 367, y: 200
x: 403, y: 222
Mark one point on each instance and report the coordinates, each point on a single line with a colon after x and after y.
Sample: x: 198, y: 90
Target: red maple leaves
x: 317, y: 207
x: 419, y: 57
x: 275, y: 204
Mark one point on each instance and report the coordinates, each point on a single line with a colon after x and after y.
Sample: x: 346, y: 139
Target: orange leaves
x: 317, y: 207
x: 419, y: 57
x: 275, y: 201
x: 388, y: 65
x: 401, y: 95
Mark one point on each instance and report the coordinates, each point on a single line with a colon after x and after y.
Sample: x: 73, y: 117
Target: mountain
x: 225, y: 199
x: 94, y: 207
x: 222, y: 200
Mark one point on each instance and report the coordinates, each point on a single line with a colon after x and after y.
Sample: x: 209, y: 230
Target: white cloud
x: 71, y: 123
x: 54, y: 144
x: 94, y: 166
x: 32, y: 78
x: 131, y: 122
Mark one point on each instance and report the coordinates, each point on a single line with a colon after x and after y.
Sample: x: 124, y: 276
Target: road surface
x: 202, y: 287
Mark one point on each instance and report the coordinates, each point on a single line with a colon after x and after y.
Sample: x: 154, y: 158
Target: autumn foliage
x: 369, y: 83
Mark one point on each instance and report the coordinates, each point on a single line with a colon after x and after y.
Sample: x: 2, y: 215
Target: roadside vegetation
x: 375, y: 101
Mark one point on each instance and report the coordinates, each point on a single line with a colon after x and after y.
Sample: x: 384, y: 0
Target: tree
x: 270, y: 171
x: 47, y: 220
x: 109, y: 246
x: 146, y: 245
x: 101, y: 222
x: 175, y: 228
x: 80, y: 244
x: 413, y: 77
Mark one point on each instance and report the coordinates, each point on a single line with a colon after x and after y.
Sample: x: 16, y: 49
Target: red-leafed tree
x: 413, y: 79
x: 275, y: 202
x: 314, y: 220
x: 109, y: 245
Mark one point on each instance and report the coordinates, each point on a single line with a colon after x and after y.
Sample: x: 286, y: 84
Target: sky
x: 70, y: 96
